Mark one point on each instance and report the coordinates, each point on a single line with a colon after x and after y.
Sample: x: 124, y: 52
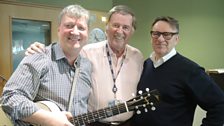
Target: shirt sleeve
x: 22, y: 87
x: 209, y: 97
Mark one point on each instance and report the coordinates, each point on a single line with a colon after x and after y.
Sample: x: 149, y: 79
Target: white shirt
x: 157, y: 63
x: 102, y: 81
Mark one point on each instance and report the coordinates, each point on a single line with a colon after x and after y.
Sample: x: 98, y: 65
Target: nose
x: 74, y: 30
x: 161, y: 38
x: 120, y: 29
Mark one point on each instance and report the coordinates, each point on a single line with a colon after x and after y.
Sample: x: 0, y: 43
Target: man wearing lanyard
x: 117, y: 66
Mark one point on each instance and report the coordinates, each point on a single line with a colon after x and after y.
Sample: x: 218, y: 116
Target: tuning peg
x: 153, y: 108
x: 140, y: 92
x: 147, y: 89
x: 151, y: 103
x: 134, y: 95
x: 146, y: 110
x: 138, y: 112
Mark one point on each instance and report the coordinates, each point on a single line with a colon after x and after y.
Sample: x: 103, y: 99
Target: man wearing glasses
x: 182, y: 83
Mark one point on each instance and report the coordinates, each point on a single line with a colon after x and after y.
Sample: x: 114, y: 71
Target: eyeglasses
x: 166, y: 35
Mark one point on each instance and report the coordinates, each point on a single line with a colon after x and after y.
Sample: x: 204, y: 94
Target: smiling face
x: 119, y: 30
x: 160, y: 45
x: 73, y: 33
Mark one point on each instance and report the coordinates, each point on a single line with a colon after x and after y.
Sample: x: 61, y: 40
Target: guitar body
x: 5, y: 120
x: 46, y: 105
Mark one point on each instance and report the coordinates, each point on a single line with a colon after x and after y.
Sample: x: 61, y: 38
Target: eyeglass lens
x: 166, y: 35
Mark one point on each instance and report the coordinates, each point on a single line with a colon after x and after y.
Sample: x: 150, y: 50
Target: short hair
x: 75, y: 11
x: 124, y: 10
x: 170, y: 20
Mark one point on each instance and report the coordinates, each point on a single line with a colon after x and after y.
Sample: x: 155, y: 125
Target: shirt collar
x: 162, y: 60
x: 112, y: 53
x: 59, y: 54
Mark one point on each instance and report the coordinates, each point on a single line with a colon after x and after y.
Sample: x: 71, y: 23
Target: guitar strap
x: 74, y: 85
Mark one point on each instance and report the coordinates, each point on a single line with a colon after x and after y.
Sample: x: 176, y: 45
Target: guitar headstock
x: 144, y: 100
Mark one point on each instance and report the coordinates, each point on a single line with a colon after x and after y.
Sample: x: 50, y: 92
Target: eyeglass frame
x: 164, y: 34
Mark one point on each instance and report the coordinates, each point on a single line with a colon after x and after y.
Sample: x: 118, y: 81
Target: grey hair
x: 124, y: 10
x: 75, y: 11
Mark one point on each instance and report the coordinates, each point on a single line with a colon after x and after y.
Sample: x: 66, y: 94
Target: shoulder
x: 93, y: 49
x: 37, y: 60
x: 134, y: 53
x: 186, y: 61
x: 184, y: 64
x: 94, y: 46
x: 133, y: 49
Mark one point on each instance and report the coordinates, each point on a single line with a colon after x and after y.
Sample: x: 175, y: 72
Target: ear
x: 58, y: 29
x: 132, y: 31
x: 106, y: 28
x: 177, y: 39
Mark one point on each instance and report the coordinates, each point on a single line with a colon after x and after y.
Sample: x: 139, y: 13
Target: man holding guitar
x: 117, y: 66
x: 52, y: 76
x: 146, y: 100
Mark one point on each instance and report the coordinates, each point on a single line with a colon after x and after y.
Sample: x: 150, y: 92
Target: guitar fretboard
x: 97, y: 115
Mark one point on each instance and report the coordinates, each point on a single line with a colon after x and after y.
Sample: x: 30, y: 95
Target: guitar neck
x: 98, y: 115
x: 148, y: 99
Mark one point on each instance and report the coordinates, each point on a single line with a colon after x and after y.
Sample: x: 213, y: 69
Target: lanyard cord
x: 114, y: 89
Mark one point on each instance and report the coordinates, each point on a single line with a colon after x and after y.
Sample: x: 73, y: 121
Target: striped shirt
x: 46, y: 76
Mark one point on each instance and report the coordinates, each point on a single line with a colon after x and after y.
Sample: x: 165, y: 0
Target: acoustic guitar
x: 145, y: 100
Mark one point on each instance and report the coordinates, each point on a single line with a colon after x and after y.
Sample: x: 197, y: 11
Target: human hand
x: 68, y: 115
x: 36, y: 47
x: 59, y: 119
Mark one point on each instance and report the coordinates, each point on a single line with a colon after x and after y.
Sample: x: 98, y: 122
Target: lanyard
x: 114, y: 89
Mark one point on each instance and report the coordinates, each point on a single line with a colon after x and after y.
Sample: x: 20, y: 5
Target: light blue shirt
x: 46, y: 76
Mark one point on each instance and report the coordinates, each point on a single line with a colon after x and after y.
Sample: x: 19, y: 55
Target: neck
x: 118, y: 51
x: 71, y: 61
x: 72, y: 56
x: 157, y: 58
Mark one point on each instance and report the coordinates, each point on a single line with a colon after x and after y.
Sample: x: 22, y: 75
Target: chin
x: 77, y: 46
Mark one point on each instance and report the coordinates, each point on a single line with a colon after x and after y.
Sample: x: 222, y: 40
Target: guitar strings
x: 97, y: 115
x: 109, y: 111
